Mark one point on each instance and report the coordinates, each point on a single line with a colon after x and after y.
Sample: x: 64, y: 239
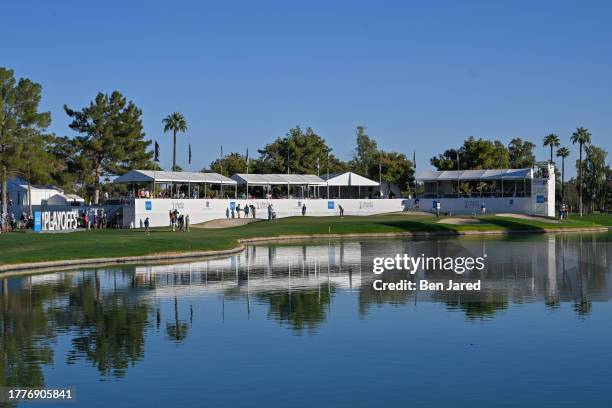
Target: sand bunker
x: 529, y: 217
x: 225, y: 223
x: 459, y: 221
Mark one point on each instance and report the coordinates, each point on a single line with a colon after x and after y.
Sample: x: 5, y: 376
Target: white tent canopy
x: 150, y: 176
x: 278, y: 179
x: 350, y: 179
x: 497, y: 174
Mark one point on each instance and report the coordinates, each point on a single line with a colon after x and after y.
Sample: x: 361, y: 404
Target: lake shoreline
x: 26, y: 268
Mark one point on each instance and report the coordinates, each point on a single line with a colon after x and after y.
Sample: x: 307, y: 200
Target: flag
x: 189, y: 153
x: 156, y: 152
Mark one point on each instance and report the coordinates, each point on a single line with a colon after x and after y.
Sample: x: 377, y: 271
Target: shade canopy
x: 150, y: 176
x: 278, y: 179
x: 497, y: 174
x: 349, y: 179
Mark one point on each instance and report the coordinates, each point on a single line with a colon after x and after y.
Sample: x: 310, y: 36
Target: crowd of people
x: 9, y: 222
x: 235, y: 212
x: 178, y: 221
x: 94, y: 218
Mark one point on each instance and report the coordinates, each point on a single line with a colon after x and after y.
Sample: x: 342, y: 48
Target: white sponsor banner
x: 59, y: 220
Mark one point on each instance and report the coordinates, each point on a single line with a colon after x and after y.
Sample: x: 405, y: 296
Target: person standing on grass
x: 170, y: 216
x: 187, y: 222
x: 146, y: 225
x: 303, y: 209
x: 246, y: 211
x: 238, y: 210
x: 483, y: 209
x: 438, y: 208
x: 341, y: 210
x: 227, y: 213
x: 253, y: 210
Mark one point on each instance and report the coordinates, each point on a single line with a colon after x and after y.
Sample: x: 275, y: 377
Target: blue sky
x: 419, y: 75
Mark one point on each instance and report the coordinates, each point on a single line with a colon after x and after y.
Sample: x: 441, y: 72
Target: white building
x: 528, y: 191
x: 41, y: 195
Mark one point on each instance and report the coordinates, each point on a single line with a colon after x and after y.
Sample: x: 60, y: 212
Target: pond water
x: 301, y: 325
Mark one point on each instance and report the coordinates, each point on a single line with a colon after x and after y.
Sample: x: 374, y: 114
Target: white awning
x: 278, y: 179
x: 149, y: 176
x: 494, y: 174
x: 350, y: 179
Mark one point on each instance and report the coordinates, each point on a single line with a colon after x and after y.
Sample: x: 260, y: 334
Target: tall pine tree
x: 112, y: 137
x: 21, y: 127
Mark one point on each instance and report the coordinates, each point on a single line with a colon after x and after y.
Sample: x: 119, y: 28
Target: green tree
x: 563, y: 152
x: 21, y: 125
x: 112, y: 137
x: 475, y: 154
x: 174, y: 122
x: 553, y: 141
x: 366, y: 155
x: 595, y: 177
x: 298, y: 152
x: 231, y: 164
x: 521, y: 153
x: 582, y: 137
x: 396, y: 169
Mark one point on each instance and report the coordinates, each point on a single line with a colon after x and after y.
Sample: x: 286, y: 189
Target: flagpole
x: 380, y: 174
x: 247, y: 180
x: 221, y: 171
x: 327, y: 165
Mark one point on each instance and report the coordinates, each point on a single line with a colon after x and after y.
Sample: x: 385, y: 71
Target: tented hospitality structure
x: 477, y: 183
x: 527, y: 191
x: 303, y: 181
x: 174, y: 180
x: 349, y: 185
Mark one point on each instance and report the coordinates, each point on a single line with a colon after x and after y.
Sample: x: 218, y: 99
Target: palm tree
x: 563, y: 153
x: 553, y: 141
x: 174, y: 122
x: 582, y: 137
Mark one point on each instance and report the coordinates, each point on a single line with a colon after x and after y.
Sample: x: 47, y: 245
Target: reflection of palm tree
x: 177, y: 330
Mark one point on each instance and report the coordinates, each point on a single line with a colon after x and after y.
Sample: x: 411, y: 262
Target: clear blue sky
x: 420, y: 75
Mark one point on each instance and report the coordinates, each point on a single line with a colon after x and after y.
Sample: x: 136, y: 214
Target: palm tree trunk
x: 580, y: 182
x: 174, y: 152
x: 551, y: 153
x: 562, y: 179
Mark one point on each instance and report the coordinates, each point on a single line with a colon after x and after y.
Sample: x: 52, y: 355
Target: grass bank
x: 18, y: 248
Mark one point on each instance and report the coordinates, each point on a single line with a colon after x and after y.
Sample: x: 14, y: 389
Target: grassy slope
x: 29, y: 247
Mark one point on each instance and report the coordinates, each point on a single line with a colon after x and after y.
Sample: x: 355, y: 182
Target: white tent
x: 496, y: 174
x: 150, y: 176
x: 349, y: 179
x: 278, y: 179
